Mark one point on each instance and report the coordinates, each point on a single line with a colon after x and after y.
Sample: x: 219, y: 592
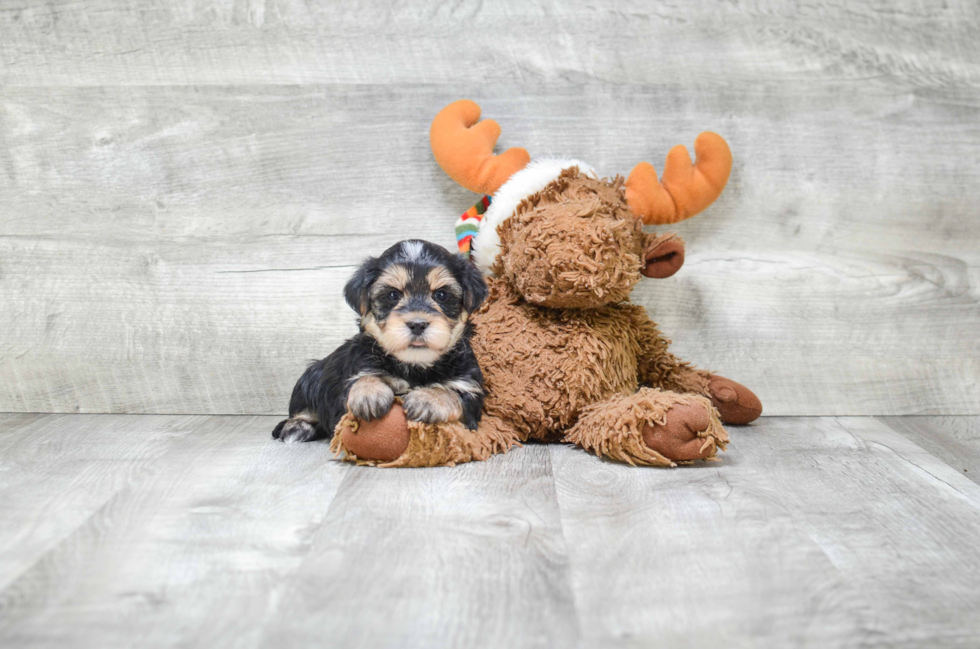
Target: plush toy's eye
x: 393, y: 296
x: 440, y: 295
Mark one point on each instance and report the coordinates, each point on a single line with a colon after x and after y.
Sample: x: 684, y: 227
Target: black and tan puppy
x: 414, y: 342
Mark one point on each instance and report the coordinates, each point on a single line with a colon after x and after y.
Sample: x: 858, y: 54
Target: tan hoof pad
x: 678, y: 438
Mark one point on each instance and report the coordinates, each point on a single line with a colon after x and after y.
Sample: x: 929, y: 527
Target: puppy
x: 414, y: 342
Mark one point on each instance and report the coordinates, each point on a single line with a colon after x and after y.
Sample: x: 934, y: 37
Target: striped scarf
x: 469, y: 224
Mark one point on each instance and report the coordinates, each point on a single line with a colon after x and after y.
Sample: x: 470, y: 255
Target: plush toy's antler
x: 686, y: 189
x: 464, y: 148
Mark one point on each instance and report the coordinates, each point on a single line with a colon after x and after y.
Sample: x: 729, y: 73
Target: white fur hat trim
x: 529, y: 180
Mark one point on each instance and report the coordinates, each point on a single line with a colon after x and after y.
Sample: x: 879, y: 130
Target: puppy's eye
x: 441, y: 295
x: 393, y: 296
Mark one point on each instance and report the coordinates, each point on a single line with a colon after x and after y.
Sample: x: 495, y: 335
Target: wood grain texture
x: 186, y: 186
x: 159, y: 42
x: 461, y: 557
x: 809, y: 532
x: 196, y: 553
x: 198, y: 531
x: 954, y: 440
x: 56, y: 471
x: 914, y: 534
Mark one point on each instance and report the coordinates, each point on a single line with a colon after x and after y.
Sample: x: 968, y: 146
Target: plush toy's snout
x: 664, y: 255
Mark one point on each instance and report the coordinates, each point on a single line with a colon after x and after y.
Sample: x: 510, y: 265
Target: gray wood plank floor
x: 163, y: 531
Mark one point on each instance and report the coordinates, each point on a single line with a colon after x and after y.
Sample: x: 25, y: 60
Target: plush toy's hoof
x: 678, y: 439
x: 381, y: 440
x: 735, y: 403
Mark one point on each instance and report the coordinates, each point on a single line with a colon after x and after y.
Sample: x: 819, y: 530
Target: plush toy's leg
x: 651, y: 427
x: 394, y: 442
x: 735, y: 403
x: 659, y: 368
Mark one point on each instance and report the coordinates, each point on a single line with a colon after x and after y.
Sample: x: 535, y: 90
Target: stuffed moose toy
x: 566, y: 357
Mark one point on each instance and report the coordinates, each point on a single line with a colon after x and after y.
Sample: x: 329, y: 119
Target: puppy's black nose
x: 417, y: 326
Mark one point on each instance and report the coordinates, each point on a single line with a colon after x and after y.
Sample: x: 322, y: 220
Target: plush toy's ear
x: 357, y: 292
x: 663, y: 255
x: 474, y: 286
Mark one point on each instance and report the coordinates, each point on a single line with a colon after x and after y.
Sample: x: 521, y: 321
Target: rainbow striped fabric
x: 469, y: 224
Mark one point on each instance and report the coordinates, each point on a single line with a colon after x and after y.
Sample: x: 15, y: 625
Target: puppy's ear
x: 474, y: 286
x: 357, y: 292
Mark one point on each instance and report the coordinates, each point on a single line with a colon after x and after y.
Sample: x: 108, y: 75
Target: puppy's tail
x: 277, y: 431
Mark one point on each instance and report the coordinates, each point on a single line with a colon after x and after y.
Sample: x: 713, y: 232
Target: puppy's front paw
x: 370, y: 398
x: 432, y: 405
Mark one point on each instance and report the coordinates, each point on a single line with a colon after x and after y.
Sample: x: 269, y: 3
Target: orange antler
x: 464, y: 148
x: 686, y: 189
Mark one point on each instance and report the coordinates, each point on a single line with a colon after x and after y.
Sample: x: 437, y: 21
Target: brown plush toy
x: 565, y: 355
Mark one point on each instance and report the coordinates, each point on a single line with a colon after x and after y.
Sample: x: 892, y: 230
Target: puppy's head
x: 415, y: 298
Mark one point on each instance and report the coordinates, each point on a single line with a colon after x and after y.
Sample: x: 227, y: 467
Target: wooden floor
x: 150, y: 530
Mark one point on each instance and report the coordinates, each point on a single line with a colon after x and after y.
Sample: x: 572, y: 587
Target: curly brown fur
x: 442, y: 444
x: 660, y: 368
x: 614, y: 428
x: 574, y: 244
x: 543, y: 366
x: 563, y: 353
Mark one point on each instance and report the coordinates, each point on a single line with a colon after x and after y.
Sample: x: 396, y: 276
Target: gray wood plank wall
x: 185, y: 186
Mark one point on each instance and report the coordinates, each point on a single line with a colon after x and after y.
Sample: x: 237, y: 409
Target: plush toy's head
x: 576, y: 244
x: 563, y: 237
